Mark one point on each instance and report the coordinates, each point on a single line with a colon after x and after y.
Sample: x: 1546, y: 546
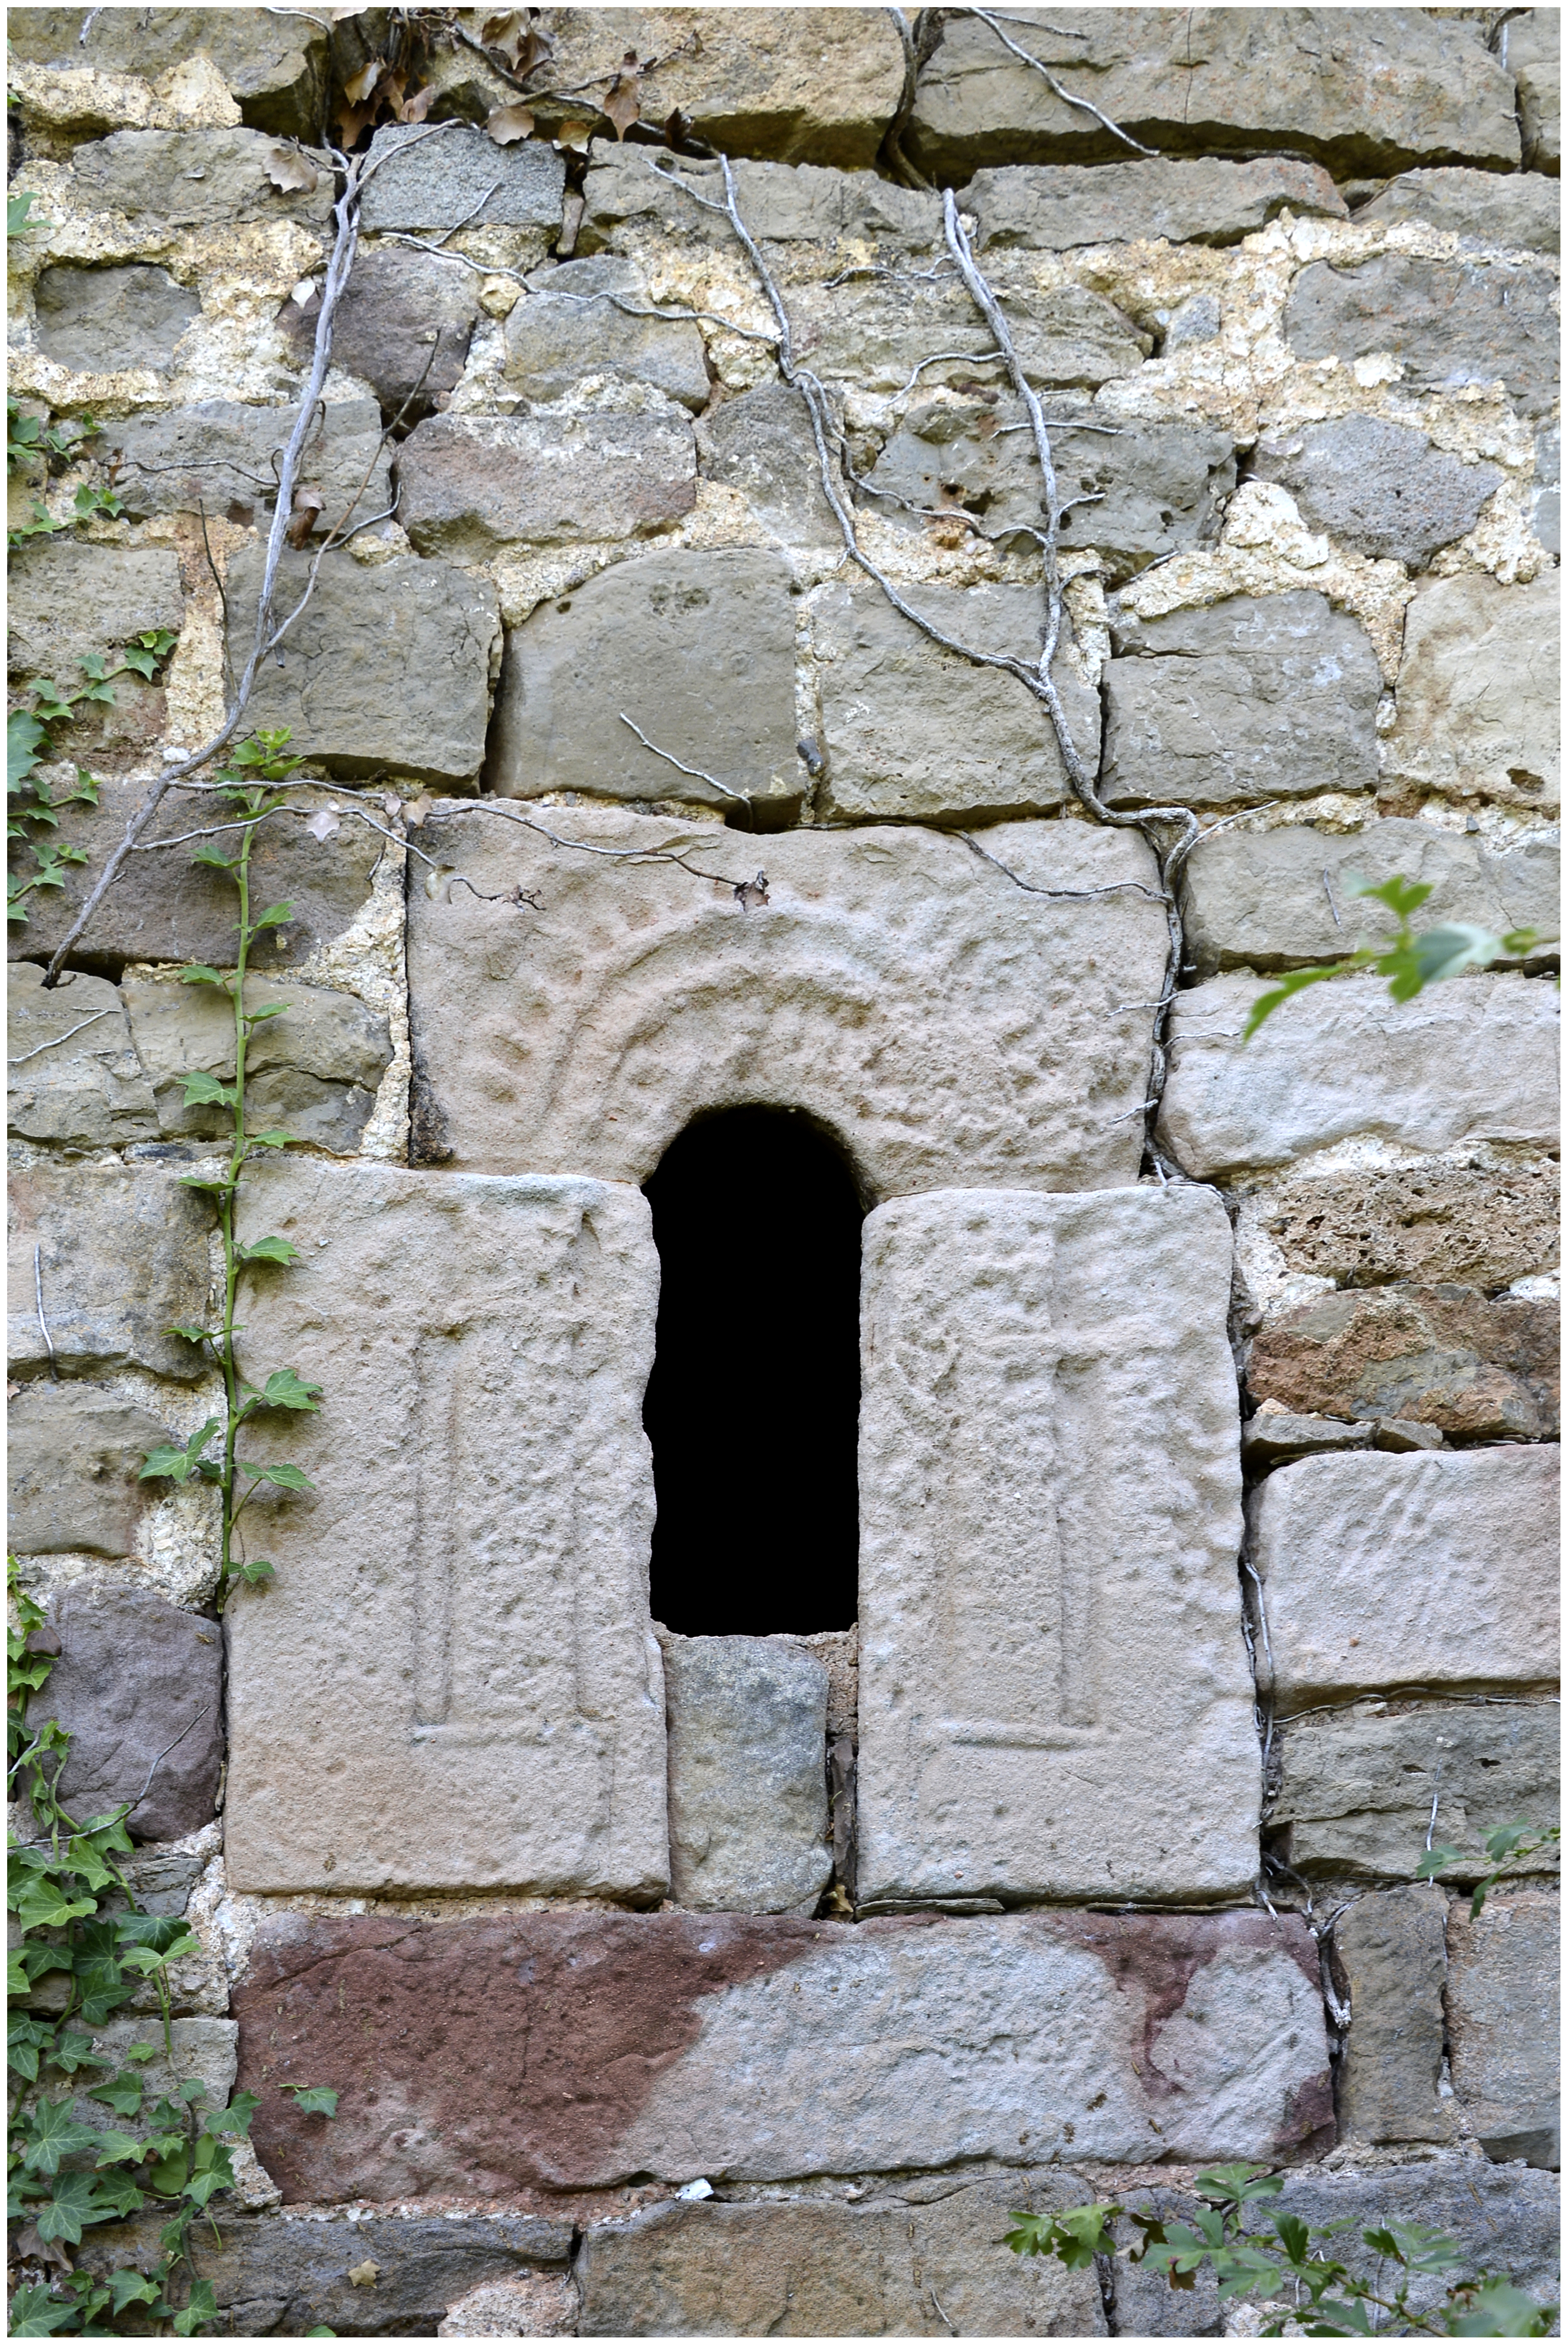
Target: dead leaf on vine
x: 578, y: 136
x: 308, y: 504
x: 508, y: 123
x: 416, y: 810
x: 518, y: 39
x: 620, y: 101
x: 324, y: 824
x: 414, y: 109
x: 752, y: 892
x: 288, y: 170
x: 676, y: 126
x: 357, y: 86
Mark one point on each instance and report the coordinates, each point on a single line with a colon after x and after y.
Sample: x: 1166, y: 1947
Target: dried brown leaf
x: 676, y: 126
x: 577, y: 136
x: 289, y: 170
x: 509, y: 123
x: 416, y: 810
x: 359, y: 86
x: 324, y: 824
x: 621, y: 103
x: 415, y: 108
x: 308, y: 504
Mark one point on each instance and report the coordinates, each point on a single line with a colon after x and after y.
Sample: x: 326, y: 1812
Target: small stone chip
x: 364, y: 2275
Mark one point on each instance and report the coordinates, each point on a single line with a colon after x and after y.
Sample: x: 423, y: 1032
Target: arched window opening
x: 753, y: 1402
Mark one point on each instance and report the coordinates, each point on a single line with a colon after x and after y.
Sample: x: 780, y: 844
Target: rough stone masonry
x: 661, y: 685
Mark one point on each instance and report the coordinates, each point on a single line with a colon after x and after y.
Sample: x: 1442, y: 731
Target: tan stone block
x: 1479, y: 691
x: 1388, y: 1958
x: 1503, y: 2020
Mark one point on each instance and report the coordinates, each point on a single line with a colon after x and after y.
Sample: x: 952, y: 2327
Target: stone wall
x: 658, y: 764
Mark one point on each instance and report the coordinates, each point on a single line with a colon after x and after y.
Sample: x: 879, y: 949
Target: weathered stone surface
x: 1380, y: 488
x: 1466, y: 1538
x: 1372, y: 91
x: 1274, y: 1436
x: 277, y: 2278
x: 472, y: 482
x: 1051, y: 209
x: 1439, y: 1355
x: 133, y: 1673
x: 1531, y: 47
x: 482, y: 1588
x: 396, y: 304
x: 69, y: 601
x: 461, y: 177
x: 1471, y: 1059
x: 1449, y: 323
x: 943, y: 1024
x: 1477, y: 1226
x: 566, y: 327
x: 628, y: 190
x: 388, y: 669
x: 161, y: 1880
x: 873, y: 334
x: 1479, y: 691
x: 1520, y: 210
x: 1357, y: 1786
x: 812, y: 2267
x: 567, y: 2050
x: 161, y: 180
x: 697, y: 649
x: 748, y: 1790
x: 73, y: 1073
x: 103, y: 320
x: 313, y: 1072
x: 544, y: 2304
x: 1282, y: 898
x: 75, y: 1455
x: 1243, y: 700
x: 1546, y: 489
x: 1143, y: 2302
x: 275, y: 66
x: 1389, y: 1963
x: 222, y: 458
x: 1403, y: 1432
x: 1040, y: 1421
x: 1502, y: 2012
x: 915, y: 734
x: 122, y: 1257
x: 761, y: 445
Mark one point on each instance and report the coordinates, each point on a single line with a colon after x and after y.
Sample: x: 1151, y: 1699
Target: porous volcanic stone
x: 1052, y: 207
x: 1372, y: 91
x: 1357, y: 1786
x: 134, y: 1671
x: 1471, y: 1059
x: 461, y: 177
x: 1049, y: 1504
x: 1430, y: 1570
x: 748, y: 1786
x: 1531, y: 47
x: 761, y: 445
x: 275, y: 66
x: 1377, y: 487
x: 74, y: 1455
x: 1438, y: 1355
x: 396, y: 305
x: 1520, y: 210
x: 74, y: 1075
x: 1479, y: 691
x: 122, y: 1257
x: 470, y: 1573
x: 566, y: 327
x: 564, y: 2050
x: 312, y: 1072
x: 70, y: 601
x: 872, y: 333
x: 161, y: 180
x: 1449, y: 323
x: 385, y: 669
x: 1389, y: 1964
x: 221, y: 457
x: 472, y: 482
x: 1247, y: 699
x: 1473, y: 1224
x: 104, y: 320
x: 945, y: 1026
x: 1503, y: 2006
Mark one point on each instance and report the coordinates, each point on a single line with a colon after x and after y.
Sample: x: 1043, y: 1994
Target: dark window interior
x: 753, y: 1403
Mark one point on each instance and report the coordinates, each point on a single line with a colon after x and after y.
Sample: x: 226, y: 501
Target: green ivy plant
x: 1414, y: 960
x: 33, y: 809
x: 35, y: 439
x: 1509, y: 1848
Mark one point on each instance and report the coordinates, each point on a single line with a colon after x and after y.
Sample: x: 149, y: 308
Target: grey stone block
x: 1389, y: 1964
x: 74, y: 1075
x: 105, y: 321
x: 275, y: 66
x: 161, y: 1880
x: 1477, y: 1226
x: 1143, y: 2302
x: 312, y: 1072
x: 69, y: 602
x: 539, y: 2304
x: 1377, y: 487
x: 761, y: 445
x: 1356, y: 1787
x: 1520, y: 210
x: 566, y: 327
x: 1277, y: 1435
x: 223, y: 458
x: 1502, y: 2001
x: 872, y: 333
x: 748, y: 1788
x: 1532, y: 48
x: 461, y: 177
x: 1400, y: 1434
x: 385, y: 670
x: 1047, y: 207
x: 470, y: 484
x: 204, y: 2051
x: 627, y: 190
x: 1244, y: 700
x: 1479, y: 692
x: 161, y: 180
x: 133, y: 1673
x: 74, y: 1455
x: 122, y: 1257
x: 403, y: 327
x: 1450, y: 323
x: 1546, y: 495
x: 1283, y: 899
x: 695, y: 648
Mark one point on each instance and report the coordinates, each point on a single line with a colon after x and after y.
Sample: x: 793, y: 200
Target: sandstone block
x: 1244, y: 700
x: 1047, y: 207
x: 312, y: 1072
x: 917, y: 733
x: 74, y: 1455
x: 275, y: 66
x: 1390, y: 1965
x: 687, y: 2050
x: 1380, y: 488
x: 1357, y: 1786
x: 122, y: 1257
x: 385, y: 669
x: 461, y: 178
x: 1502, y: 2012
x: 161, y: 180
x: 696, y: 649
x: 812, y: 2267
x: 221, y: 457
x: 542, y: 2304
x: 1449, y: 323
x: 1215, y: 80
x: 396, y: 304
x: 1040, y: 1421
x: 874, y: 334
x: 1282, y: 898
x: 470, y: 1574
x: 133, y: 1673
x: 1467, y: 1538
x: 748, y: 1787
x: 103, y: 320
x: 1475, y: 1226
x: 1463, y: 1061
x: 627, y: 191
x: 1276, y: 1436
x: 1520, y: 210
x: 1442, y: 1356
x: 1532, y: 51
x: 943, y: 1023
x: 1478, y: 691
x: 72, y: 1072
x: 761, y: 445
x: 569, y: 327
x: 470, y: 484
x: 69, y: 601
x: 1506, y: 2220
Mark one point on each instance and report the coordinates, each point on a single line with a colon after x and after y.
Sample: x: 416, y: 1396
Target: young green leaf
x: 209, y: 853
x: 314, y: 2100
x: 1295, y: 980
x: 285, y: 1389
x: 256, y: 1574
x: 53, y: 2134
x: 1438, y: 1860
x: 199, y: 974
x: 286, y: 1478
x: 276, y: 916
x: 192, y: 1335
x: 201, y: 2310
x: 272, y: 1249
x: 123, y: 2094
x: 202, y: 1090
x: 270, y: 1139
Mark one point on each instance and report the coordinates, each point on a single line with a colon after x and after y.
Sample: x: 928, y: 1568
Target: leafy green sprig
x: 33, y: 809
x: 1509, y: 1848
x: 1414, y: 960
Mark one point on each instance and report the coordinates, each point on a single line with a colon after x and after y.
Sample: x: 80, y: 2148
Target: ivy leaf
x: 272, y: 1009
x: 177, y: 1463
x: 1438, y: 1860
x: 202, y: 1090
x: 53, y: 2134
x: 256, y: 1574
x: 39, y: 1905
x: 219, y: 1181
x: 270, y: 1139
x: 192, y: 1335
x: 119, y: 2149
x: 1295, y: 980
x: 25, y: 736
x: 285, y: 1389
x: 131, y: 2288
x: 201, y: 2310
x: 122, y: 2094
x: 268, y: 1250
x: 314, y: 2100
x: 16, y: 210
x: 209, y: 853
x: 168, y: 2176
x: 276, y: 916
x: 25, y: 2040
x: 506, y: 124
x: 33, y: 2311
x: 286, y: 1478
x: 236, y: 2119
x: 199, y: 974
x: 1402, y: 896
